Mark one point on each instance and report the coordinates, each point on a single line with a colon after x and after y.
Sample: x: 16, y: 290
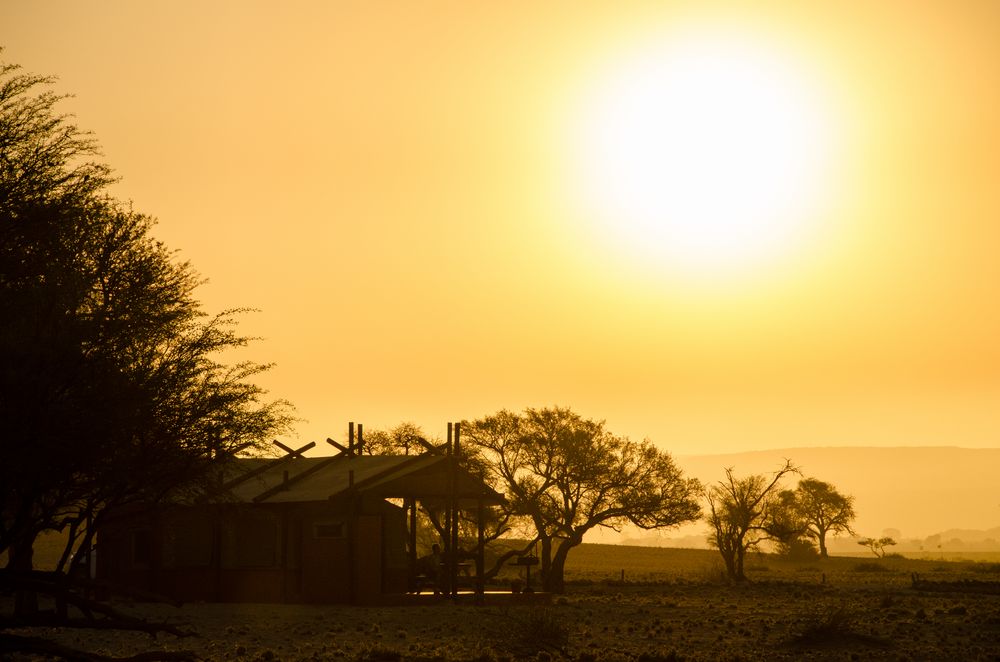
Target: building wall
x: 258, y: 553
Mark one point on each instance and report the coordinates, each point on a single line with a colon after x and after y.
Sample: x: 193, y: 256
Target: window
x: 328, y: 530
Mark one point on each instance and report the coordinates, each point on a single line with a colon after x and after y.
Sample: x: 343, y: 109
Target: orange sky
x: 391, y: 184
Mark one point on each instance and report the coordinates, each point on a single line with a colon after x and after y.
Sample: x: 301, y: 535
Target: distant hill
x: 919, y: 491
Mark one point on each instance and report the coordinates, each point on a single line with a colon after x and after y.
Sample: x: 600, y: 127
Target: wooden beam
x: 294, y: 479
x: 440, y: 449
x: 277, y: 462
x: 340, y: 447
x: 294, y: 452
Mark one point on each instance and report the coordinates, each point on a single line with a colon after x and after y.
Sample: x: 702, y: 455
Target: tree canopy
x: 564, y: 475
x: 823, y: 510
x: 111, y: 385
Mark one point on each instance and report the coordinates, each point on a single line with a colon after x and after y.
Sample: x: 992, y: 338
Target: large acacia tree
x: 566, y: 475
x: 111, y: 385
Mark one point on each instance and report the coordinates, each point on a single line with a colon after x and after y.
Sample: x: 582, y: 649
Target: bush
x: 800, y: 549
x: 870, y: 566
x: 834, y: 625
x: 380, y: 654
x: 534, y: 632
x: 986, y: 568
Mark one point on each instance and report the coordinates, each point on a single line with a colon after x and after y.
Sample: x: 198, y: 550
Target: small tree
x: 742, y: 513
x: 565, y: 475
x: 877, y: 545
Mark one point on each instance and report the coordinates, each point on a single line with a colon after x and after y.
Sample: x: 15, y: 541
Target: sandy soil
x: 870, y: 619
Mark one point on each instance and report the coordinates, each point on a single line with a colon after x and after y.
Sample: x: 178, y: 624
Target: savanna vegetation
x: 674, y: 604
x: 113, y: 391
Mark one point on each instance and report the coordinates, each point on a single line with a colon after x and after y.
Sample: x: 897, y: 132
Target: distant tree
x: 564, y: 475
x: 877, y: 545
x: 824, y: 510
x: 404, y: 439
x: 111, y: 389
x: 742, y: 514
x: 787, y: 528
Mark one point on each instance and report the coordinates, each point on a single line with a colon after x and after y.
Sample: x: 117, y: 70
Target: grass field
x: 673, y: 605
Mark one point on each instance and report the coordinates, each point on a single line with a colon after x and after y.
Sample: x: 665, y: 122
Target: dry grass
x: 675, y: 609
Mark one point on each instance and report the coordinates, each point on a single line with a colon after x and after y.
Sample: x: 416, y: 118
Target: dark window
x: 328, y: 530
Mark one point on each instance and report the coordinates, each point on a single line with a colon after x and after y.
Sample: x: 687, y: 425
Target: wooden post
x: 454, y: 508
x: 284, y: 554
x: 361, y: 438
x: 350, y: 439
x: 448, y: 574
x: 480, y: 551
x: 352, y: 534
x: 413, y: 541
x: 217, y: 553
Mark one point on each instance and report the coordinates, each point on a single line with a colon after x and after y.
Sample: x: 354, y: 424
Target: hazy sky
x: 420, y: 198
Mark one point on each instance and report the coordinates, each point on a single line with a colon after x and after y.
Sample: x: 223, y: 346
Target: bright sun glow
x: 707, y: 153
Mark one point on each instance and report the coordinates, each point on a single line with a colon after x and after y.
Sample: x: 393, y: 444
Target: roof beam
x: 270, y: 465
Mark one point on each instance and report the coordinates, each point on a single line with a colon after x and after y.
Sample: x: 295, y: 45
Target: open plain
x: 672, y: 605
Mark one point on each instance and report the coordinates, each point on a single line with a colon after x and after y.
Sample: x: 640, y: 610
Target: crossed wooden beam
x: 292, y: 453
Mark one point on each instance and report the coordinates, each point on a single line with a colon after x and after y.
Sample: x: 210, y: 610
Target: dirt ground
x: 866, y: 616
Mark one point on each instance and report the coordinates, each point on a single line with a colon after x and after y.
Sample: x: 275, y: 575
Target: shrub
x: 870, y: 566
x: 834, y: 625
x: 986, y: 568
x: 534, y: 632
x: 379, y: 654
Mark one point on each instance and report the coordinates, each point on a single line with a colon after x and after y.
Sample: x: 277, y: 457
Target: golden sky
x: 397, y: 187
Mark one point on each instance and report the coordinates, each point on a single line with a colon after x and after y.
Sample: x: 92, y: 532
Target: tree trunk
x: 21, y: 553
x: 545, y: 559
x: 554, y: 581
x: 730, y: 560
x: 822, y: 544
x: 740, y: 553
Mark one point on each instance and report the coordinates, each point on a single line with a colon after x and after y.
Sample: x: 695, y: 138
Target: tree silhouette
x: 111, y: 389
x: 877, y: 545
x: 823, y: 510
x: 742, y: 512
x: 565, y: 475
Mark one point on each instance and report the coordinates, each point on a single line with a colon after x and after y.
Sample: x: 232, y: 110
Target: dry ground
x: 676, y: 608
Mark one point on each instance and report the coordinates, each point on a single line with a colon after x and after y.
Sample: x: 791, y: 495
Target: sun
x: 706, y: 152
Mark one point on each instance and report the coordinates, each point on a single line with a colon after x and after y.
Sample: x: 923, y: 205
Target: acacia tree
x: 111, y: 389
x: 404, y: 438
x: 823, y: 510
x: 878, y: 545
x: 742, y: 512
x: 565, y: 475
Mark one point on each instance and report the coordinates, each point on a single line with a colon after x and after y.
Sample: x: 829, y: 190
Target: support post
x: 453, y: 466
x: 448, y: 576
x: 413, y: 542
x: 480, y: 551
